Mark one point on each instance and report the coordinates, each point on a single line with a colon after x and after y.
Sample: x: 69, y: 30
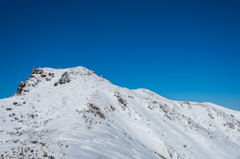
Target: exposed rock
x: 20, y: 87
x: 43, y: 75
x: 37, y: 71
x: 112, y: 107
x: 50, y: 74
x: 47, y: 79
x: 64, y: 74
x: 230, y: 125
x: 55, y: 84
x: 96, y: 111
x: 33, y: 71
x: 34, y: 141
x: 64, y: 78
x: 31, y: 76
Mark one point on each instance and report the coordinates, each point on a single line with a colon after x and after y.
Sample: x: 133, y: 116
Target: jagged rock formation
x: 74, y: 113
x: 34, y: 78
x: 64, y: 79
x: 20, y: 87
x: 37, y: 71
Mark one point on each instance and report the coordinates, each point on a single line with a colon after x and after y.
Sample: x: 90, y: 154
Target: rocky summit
x: 75, y: 114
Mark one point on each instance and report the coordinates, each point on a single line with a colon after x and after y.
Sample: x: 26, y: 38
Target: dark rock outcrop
x: 37, y: 71
x: 43, y: 75
x: 50, y: 74
x: 64, y: 79
x: 47, y: 79
x: 20, y: 87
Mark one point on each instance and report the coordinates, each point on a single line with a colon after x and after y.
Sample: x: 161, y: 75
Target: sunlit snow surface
x: 91, y: 118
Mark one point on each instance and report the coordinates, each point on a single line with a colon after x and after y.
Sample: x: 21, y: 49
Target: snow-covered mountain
x: 74, y: 113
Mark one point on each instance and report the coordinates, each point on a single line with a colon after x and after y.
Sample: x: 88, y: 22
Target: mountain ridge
x: 74, y: 113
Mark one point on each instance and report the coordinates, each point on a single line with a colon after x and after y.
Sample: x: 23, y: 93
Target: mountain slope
x: 73, y: 113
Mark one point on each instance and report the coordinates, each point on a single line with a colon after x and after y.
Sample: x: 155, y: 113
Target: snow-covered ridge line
x: 74, y: 113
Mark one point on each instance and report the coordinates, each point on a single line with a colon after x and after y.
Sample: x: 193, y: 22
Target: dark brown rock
x: 43, y: 75
x: 64, y: 74
x: 64, y: 79
x: 31, y: 76
x: 33, y: 71
x: 37, y: 71
x: 20, y: 87
x: 47, y: 79
x: 34, y: 141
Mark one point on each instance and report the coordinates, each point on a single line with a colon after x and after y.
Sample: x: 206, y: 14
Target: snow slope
x: 74, y: 113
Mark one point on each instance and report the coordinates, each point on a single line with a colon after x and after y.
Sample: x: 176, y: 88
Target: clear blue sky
x: 182, y: 50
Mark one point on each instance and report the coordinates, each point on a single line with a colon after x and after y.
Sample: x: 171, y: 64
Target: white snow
x: 111, y: 122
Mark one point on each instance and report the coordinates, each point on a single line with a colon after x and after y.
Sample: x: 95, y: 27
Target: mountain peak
x: 74, y: 113
x: 53, y: 76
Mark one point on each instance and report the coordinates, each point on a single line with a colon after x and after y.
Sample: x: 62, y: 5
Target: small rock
x: 34, y: 141
x: 43, y: 75
x: 47, y: 79
x: 33, y: 71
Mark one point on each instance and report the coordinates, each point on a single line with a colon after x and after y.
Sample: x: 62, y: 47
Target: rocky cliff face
x: 74, y: 113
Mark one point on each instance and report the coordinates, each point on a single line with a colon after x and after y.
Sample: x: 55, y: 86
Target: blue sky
x: 182, y: 50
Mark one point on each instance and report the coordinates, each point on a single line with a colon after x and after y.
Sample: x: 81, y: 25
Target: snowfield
x: 74, y: 113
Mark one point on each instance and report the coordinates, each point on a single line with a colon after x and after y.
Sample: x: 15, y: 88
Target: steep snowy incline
x: 74, y: 113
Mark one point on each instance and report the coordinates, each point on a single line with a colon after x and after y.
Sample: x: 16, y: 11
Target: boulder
x: 37, y: 71
x: 64, y: 79
x: 47, y: 79
x: 33, y: 71
x: 43, y: 75
x: 20, y: 87
x: 31, y: 76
